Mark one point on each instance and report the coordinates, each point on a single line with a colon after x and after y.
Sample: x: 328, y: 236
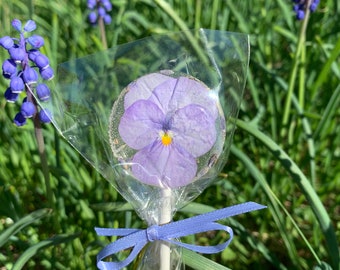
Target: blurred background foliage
x: 286, y: 236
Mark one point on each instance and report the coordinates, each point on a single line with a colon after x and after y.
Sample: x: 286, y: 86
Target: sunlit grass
x: 268, y: 239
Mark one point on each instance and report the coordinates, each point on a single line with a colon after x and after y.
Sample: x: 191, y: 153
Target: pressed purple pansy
x: 169, y: 123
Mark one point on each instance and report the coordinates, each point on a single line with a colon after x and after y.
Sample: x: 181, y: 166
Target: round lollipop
x: 155, y: 118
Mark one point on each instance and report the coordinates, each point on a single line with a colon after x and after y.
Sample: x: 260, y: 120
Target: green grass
x: 285, y: 154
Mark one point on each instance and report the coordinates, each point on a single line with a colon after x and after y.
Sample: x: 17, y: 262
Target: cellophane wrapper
x: 193, y: 81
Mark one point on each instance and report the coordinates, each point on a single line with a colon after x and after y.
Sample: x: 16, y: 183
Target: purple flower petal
x: 17, y: 53
x: 43, y: 92
x: 16, y: 25
x: 164, y: 166
x: 33, y: 53
x: 300, y: 14
x: 107, y: 5
x: 194, y: 129
x: 107, y: 19
x: 30, y: 75
x: 101, y: 11
x: 6, y: 42
x: 9, y: 68
x: 47, y: 73
x: 92, y: 17
x: 171, y: 121
x: 19, y: 119
x: 140, y: 124
x: 10, y: 96
x: 45, y: 116
x: 17, y: 85
x: 177, y: 93
x: 28, y: 109
x: 41, y: 61
x: 91, y: 4
x: 142, y: 87
x: 30, y: 26
x: 36, y: 41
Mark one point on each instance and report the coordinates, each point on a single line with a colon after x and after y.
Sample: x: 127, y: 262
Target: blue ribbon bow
x: 137, y: 238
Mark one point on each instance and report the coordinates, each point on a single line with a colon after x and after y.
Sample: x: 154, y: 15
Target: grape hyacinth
x: 99, y: 9
x: 300, y: 7
x: 23, y: 67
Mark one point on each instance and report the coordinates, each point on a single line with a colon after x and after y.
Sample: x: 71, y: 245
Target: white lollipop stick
x: 166, y: 216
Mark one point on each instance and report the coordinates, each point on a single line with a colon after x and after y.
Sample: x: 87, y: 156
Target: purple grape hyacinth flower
x: 45, y: 116
x: 300, y: 7
x: 19, y: 119
x: 99, y: 9
x: 169, y: 122
x: 23, y: 67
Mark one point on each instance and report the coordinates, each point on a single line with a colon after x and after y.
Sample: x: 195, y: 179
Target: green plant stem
x: 30, y: 8
x: 293, y: 75
x: 302, y: 78
x: 102, y: 32
x: 198, y: 12
x: 182, y: 25
x: 214, y: 11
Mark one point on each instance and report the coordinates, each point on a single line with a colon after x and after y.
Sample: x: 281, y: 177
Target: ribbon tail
x: 114, y: 232
x: 197, y: 224
x: 230, y: 211
x: 137, y: 240
x: 208, y: 249
x: 119, y: 265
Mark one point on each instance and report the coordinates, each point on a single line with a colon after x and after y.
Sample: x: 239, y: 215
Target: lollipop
x: 155, y: 118
x: 169, y: 127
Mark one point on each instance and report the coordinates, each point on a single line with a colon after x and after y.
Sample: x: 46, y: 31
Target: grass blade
x: 22, y: 223
x: 274, y: 206
x: 324, y: 73
x: 199, y: 262
x: 30, y: 252
x: 328, y: 113
x: 305, y: 186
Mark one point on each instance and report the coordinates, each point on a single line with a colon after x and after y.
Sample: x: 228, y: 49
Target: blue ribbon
x: 137, y: 238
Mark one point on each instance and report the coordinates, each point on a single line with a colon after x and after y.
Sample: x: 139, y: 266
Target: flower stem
x: 43, y: 160
x: 164, y: 5
x: 302, y: 78
x: 297, y: 60
x: 102, y: 32
x: 198, y: 12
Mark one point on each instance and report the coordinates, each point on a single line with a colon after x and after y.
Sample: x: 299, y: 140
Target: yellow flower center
x: 166, y: 137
